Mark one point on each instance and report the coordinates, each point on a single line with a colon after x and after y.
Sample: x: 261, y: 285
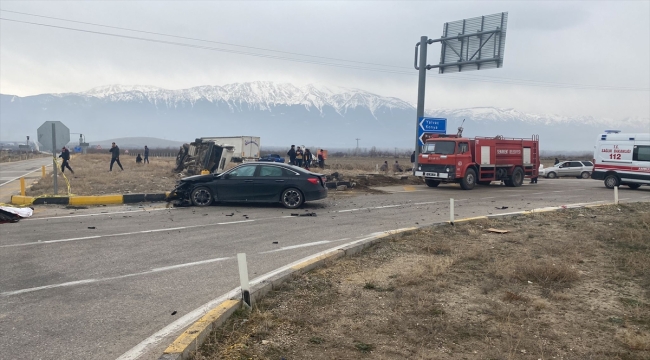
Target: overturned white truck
x: 203, y: 156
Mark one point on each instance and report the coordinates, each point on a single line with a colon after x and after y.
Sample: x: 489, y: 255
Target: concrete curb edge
x: 89, y: 200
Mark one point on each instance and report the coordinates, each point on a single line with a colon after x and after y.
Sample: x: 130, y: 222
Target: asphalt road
x: 93, y: 284
x: 11, y: 172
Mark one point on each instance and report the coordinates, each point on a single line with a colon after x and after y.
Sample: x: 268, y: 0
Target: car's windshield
x: 439, y: 147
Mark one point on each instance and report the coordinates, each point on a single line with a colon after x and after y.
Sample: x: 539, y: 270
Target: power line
x: 463, y: 77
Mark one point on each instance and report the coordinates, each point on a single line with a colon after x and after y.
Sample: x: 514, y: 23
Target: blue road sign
x: 431, y: 126
x: 77, y: 149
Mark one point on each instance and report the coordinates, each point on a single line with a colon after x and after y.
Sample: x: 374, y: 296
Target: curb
x: 192, y: 338
x: 89, y: 200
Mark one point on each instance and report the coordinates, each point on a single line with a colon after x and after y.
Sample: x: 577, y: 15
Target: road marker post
x: 451, y: 210
x: 22, y: 186
x: 43, y: 171
x: 243, y: 279
x: 615, y: 195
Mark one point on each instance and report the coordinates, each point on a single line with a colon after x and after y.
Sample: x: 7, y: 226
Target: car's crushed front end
x: 180, y: 196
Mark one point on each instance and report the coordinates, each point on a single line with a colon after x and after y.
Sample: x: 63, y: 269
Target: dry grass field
x: 573, y: 284
x: 91, y: 177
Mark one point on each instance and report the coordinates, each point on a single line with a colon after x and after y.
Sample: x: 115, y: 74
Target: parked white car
x: 578, y: 169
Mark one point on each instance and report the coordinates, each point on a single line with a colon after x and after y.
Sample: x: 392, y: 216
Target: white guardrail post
x: 243, y: 279
x: 451, y: 210
x: 615, y: 195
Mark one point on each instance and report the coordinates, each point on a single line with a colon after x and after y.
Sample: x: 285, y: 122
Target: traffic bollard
x: 615, y: 195
x: 43, y: 171
x: 243, y: 279
x: 22, y: 186
x: 451, y: 210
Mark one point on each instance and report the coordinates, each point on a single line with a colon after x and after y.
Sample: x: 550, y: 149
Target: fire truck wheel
x: 469, y: 181
x: 611, y: 181
x: 432, y: 183
x: 517, y: 178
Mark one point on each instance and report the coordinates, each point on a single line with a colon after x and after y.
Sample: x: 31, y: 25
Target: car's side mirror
x: 226, y: 176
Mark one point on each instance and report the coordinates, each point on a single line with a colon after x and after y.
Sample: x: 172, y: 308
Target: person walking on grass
x: 292, y: 155
x: 146, y: 155
x: 65, y: 155
x: 321, y: 159
x: 115, y: 156
x: 308, y: 159
x: 299, y: 156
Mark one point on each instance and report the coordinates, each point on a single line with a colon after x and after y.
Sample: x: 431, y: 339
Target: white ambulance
x: 622, y: 159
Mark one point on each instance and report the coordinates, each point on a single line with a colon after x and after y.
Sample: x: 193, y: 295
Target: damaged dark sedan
x: 252, y: 182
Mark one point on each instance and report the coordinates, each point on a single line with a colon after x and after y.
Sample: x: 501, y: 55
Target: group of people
x: 115, y: 158
x: 305, y: 158
x: 396, y: 167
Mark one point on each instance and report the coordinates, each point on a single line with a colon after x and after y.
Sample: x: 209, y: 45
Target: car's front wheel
x: 551, y: 175
x: 201, y: 196
x: 292, y: 198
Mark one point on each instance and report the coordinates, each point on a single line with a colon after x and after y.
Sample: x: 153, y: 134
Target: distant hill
x: 281, y: 114
x: 138, y: 143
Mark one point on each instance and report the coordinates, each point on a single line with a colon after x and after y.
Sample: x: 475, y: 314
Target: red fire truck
x: 481, y: 160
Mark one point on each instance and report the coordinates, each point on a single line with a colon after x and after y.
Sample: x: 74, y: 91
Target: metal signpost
x: 470, y: 44
x: 51, y: 134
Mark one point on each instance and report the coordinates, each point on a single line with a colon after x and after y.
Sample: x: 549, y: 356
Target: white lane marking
x: 90, y: 281
x: 316, y: 243
x: 43, y: 242
x: 16, y: 178
x: 152, y: 341
x: 389, y: 206
x: 97, y: 214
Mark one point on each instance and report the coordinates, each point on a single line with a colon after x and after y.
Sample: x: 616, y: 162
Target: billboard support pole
x: 54, y: 164
x: 422, y: 78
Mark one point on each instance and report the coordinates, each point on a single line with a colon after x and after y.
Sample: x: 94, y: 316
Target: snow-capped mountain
x: 281, y: 114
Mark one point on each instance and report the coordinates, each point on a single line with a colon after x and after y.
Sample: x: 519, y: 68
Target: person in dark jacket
x: 146, y: 155
x: 292, y: 155
x: 65, y: 155
x: 115, y: 156
x: 321, y: 159
x: 557, y: 161
x: 308, y: 157
x: 138, y: 159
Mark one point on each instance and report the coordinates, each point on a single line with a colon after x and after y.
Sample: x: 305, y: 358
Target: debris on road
x: 501, y: 208
x: 91, y: 227
x: 174, y: 312
x: 72, y: 207
x: 231, y: 214
x: 14, y: 214
x: 275, y: 242
x: 493, y: 230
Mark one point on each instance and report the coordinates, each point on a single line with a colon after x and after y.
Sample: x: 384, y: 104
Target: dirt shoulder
x: 91, y: 177
x: 573, y: 284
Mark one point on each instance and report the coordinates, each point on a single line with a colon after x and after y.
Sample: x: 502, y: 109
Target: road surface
x: 11, y: 172
x: 92, y: 284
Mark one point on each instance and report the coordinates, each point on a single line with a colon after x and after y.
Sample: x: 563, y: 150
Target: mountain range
x: 281, y: 114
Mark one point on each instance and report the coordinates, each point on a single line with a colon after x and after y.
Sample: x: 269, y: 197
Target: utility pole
x: 422, y: 79
x: 357, y: 145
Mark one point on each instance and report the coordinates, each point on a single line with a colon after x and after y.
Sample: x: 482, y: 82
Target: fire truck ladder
x: 534, y: 156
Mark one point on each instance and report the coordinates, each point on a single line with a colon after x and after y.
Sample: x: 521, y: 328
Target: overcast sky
x: 588, y: 42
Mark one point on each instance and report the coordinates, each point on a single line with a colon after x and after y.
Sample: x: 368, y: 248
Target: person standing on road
x: 299, y: 156
x: 65, y: 155
x: 292, y: 155
x: 533, y: 180
x: 115, y: 156
x: 308, y: 159
x: 146, y: 155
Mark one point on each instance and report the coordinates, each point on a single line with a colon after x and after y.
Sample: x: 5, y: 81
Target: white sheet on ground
x: 22, y: 212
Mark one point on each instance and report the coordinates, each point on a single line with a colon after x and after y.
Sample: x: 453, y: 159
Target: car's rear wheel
x: 292, y: 198
x: 551, y: 175
x: 634, y: 186
x: 611, y: 181
x: 432, y: 183
x: 585, y: 175
x: 201, y: 196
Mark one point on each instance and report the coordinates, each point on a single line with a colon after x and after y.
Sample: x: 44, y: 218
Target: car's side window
x: 243, y: 171
x: 271, y: 171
